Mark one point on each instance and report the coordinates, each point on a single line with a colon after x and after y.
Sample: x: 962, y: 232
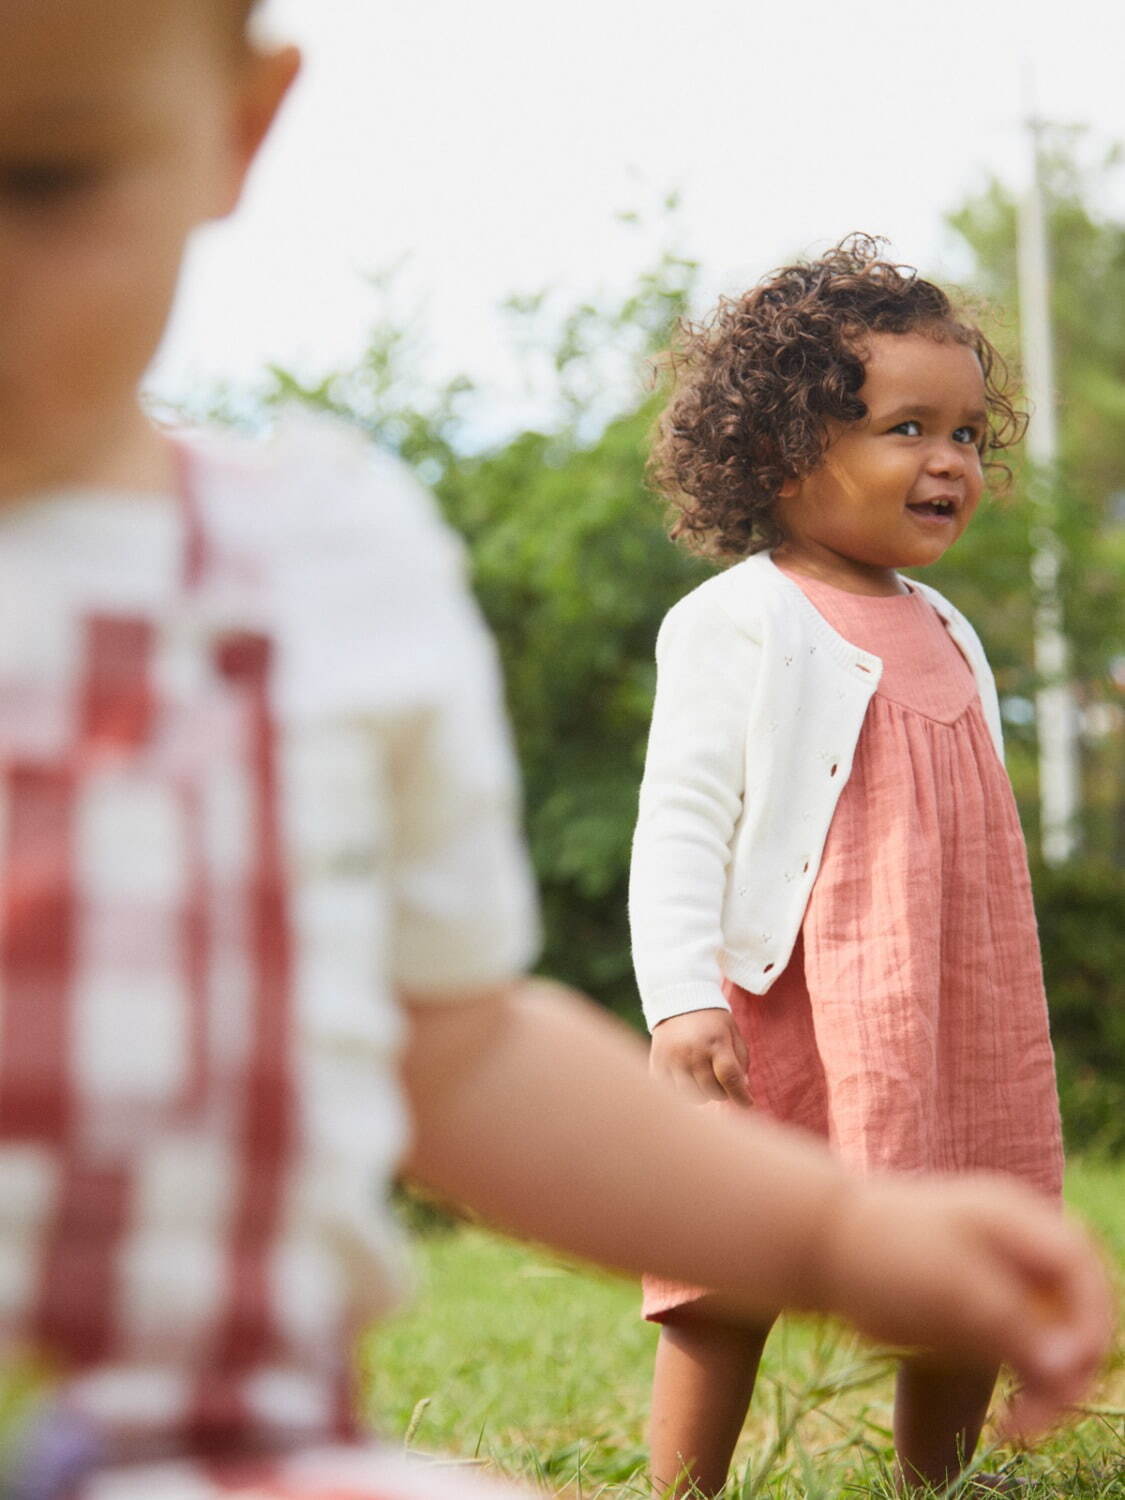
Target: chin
x: 925, y: 556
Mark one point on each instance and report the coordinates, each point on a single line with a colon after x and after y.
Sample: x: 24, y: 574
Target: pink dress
x: 910, y: 1026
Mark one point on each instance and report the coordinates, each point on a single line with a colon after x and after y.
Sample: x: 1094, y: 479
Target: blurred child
x: 264, y: 900
x: 830, y: 898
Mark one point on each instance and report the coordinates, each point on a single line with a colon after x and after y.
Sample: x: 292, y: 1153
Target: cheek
x: 93, y: 341
x: 73, y: 354
x: 95, y: 307
x: 974, y: 481
x: 974, y: 489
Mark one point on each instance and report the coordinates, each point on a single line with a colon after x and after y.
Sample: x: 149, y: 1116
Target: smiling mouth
x: 939, y: 509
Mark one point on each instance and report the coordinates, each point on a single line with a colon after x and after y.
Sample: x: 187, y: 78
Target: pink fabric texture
x: 910, y: 1027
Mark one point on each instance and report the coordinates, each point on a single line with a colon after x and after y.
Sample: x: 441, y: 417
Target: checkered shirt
x: 253, y: 775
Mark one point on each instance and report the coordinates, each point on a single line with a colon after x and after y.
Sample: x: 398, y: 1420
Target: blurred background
x: 477, y: 224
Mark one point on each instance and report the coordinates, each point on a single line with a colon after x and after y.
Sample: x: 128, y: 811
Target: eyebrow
x: 921, y: 409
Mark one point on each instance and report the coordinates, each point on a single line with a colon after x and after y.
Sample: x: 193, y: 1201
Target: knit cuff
x: 679, y: 999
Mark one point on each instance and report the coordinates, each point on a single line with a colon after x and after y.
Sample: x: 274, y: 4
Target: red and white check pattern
x: 196, y: 1115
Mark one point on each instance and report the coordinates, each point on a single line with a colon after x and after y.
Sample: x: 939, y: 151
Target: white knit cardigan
x: 759, y: 705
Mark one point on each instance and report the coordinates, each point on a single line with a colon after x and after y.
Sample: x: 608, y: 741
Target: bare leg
x: 701, y: 1387
x: 939, y: 1412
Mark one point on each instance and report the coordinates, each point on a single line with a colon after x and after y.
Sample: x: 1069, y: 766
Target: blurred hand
x: 977, y: 1268
x: 702, y: 1056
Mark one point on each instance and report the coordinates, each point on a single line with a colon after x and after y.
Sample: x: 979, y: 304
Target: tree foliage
x: 987, y: 573
x: 574, y: 571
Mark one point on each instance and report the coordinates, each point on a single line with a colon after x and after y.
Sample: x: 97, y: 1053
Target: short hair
x: 756, y: 385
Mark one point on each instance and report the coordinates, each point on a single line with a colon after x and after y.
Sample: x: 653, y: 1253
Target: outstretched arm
x: 537, y: 1111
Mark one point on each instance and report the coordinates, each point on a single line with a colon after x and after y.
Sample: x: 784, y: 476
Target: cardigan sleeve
x: 690, y: 802
x: 970, y: 642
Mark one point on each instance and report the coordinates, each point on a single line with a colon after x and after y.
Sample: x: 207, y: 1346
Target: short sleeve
x: 379, y: 625
x: 463, y: 906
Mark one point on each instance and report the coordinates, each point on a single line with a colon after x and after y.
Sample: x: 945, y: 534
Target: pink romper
x: 910, y: 1026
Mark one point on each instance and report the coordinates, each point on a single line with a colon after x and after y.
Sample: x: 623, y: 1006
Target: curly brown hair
x: 755, y: 387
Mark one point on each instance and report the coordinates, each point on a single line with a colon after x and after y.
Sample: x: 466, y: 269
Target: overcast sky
x: 493, y: 144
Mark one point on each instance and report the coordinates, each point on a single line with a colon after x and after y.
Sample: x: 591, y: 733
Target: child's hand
x: 702, y: 1056
x: 981, y: 1269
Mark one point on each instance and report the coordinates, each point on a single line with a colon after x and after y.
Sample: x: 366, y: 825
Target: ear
x: 267, y: 77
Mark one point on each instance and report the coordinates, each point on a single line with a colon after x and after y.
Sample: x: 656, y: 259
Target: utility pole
x: 1056, y: 710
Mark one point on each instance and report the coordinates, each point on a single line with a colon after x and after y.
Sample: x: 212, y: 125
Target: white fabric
x: 377, y: 629
x: 759, y: 704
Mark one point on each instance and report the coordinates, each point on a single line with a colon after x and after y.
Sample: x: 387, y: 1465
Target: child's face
x: 897, y: 489
x: 123, y: 125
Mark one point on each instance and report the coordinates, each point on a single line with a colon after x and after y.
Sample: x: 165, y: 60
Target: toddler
x: 831, y: 908
x: 264, y: 907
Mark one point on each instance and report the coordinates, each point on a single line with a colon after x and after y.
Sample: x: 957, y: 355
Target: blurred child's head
x: 124, y: 124
x: 768, y: 394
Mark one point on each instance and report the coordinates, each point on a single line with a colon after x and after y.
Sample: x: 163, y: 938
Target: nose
x: 947, y: 459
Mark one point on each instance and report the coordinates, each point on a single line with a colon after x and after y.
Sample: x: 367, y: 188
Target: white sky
x: 494, y: 143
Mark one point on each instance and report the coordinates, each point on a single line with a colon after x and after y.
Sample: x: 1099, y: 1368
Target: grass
x: 539, y: 1370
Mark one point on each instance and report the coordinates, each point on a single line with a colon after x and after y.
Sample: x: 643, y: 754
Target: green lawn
x: 510, y: 1357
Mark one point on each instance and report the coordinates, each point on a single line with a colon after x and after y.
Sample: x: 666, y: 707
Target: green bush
x: 1082, y: 929
x: 574, y: 571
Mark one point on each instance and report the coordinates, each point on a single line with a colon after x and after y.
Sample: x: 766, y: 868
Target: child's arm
x: 536, y: 1111
x: 690, y: 801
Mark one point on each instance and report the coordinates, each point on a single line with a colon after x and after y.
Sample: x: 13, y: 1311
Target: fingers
x: 707, y: 1084
x: 1038, y: 1298
x: 1069, y: 1303
x: 1064, y: 1327
x: 740, y: 1050
x: 696, y: 1083
x: 730, y: 1073
x: 702, y: 1056
x: 978, y: 1269
x: 710, y: 1080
